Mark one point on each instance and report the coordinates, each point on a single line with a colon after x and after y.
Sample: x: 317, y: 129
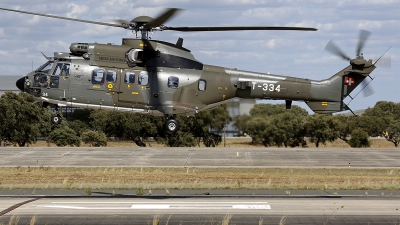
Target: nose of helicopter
x: 20, y: 83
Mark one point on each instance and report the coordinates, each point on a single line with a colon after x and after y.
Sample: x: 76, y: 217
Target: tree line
x: 270, y: 124
x: 23, y: 121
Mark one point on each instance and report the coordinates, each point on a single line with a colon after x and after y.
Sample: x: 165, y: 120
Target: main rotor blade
x: 333, y: 48
x: 160, y: 20
x: 64, y: 18
x: 123, y: 23
x: 364, y: 34
x: 384, y: 61
x: 189, y: 29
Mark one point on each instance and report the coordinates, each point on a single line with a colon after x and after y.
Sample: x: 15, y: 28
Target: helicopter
x: 155, y: 77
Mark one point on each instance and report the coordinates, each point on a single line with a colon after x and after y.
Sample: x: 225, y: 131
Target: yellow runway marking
x: 65, y: 153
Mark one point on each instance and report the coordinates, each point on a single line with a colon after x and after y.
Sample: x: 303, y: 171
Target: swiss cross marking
x: 349, y: 81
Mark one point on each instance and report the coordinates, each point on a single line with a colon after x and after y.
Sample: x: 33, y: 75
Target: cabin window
x: 129, y: 78
x: 173, y: 82
x: 202, y: 85
x: 111, y: 76
x: 143, y: 78
x: 98, y: 76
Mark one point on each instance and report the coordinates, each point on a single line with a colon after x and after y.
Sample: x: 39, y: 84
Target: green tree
x: 78, y: 126
x: 63, y: 136
x: 383, y: 109
x: 344, y: 126
x: 286, y: 129
x: 206, y: 125
x: 21, y: 120
x: 392, y: 133
x: 203, y: 127
x: 81, y: 115
x: 321, y: 128
x: 274, y: 124
x: 240, y: 122
x: 256, y: 126
x: 384, y: 120
x: 94, y: 138
x: 127, y: 126
x: 373, y: 125
x: 359, y: 139
x: 182, y: 138
x: 275, y: 109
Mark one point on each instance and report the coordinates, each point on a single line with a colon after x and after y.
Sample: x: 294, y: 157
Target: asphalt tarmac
x: 203, y: 210
x: 199, y: 206
x: 201, y: 157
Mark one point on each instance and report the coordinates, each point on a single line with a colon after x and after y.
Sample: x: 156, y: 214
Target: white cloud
x: 271, y: 43
x: 33, y: 20
x: 76, y: 10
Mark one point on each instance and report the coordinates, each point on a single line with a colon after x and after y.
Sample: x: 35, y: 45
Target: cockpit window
x: 40, y: 80
x: 112, y: 76
x: 61, y: 69
x: 57, y: 69
x: 65, y: 70
x: 98, y: 76
x: 54, y: 81
x: 45, y: 68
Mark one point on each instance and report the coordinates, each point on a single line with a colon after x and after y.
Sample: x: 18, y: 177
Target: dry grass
x: 199, y: 178
x: 232, y: 142
x: 227, y: 218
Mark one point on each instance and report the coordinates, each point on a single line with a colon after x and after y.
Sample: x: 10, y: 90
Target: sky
x: 291, y: 53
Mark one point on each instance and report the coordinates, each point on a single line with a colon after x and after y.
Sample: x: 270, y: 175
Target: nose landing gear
x: 171, y: 125
x: 56, y: 119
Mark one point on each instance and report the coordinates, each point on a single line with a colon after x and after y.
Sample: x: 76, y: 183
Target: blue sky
x: 291, y: 53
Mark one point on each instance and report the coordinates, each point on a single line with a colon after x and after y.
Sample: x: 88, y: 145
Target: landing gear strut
x: 171, y: 125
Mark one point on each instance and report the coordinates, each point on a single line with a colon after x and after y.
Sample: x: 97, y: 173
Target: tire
x: 171, y: 126
x: 55, y: 119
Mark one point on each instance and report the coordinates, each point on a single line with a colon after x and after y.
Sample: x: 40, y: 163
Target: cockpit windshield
x: 45, y: 68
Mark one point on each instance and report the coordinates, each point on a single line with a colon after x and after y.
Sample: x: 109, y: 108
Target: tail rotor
x: 359, y: 64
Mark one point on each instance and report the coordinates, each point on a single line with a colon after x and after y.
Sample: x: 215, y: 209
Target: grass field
x: 203, y: 178
x: 199, y: 178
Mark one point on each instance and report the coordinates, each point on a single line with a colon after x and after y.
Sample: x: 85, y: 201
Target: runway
x: 191, y: 207
x: 200, y: 157
x: 204, y: 210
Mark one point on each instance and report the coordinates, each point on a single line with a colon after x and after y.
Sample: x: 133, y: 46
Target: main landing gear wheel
x: 171, y: 126
x: 56, y: 119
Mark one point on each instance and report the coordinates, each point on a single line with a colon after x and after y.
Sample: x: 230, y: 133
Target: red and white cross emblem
x: 349, y: 81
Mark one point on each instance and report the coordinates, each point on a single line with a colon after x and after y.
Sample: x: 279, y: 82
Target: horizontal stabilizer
x: 327, y: 107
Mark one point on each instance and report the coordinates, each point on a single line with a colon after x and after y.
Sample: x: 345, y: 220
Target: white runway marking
x: 251, y: 207
x: 158, y: 203
x: 150, y: 206
x: 161, y: 206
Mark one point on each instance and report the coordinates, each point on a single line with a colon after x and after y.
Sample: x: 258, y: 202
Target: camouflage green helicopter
x: 155, y: 77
